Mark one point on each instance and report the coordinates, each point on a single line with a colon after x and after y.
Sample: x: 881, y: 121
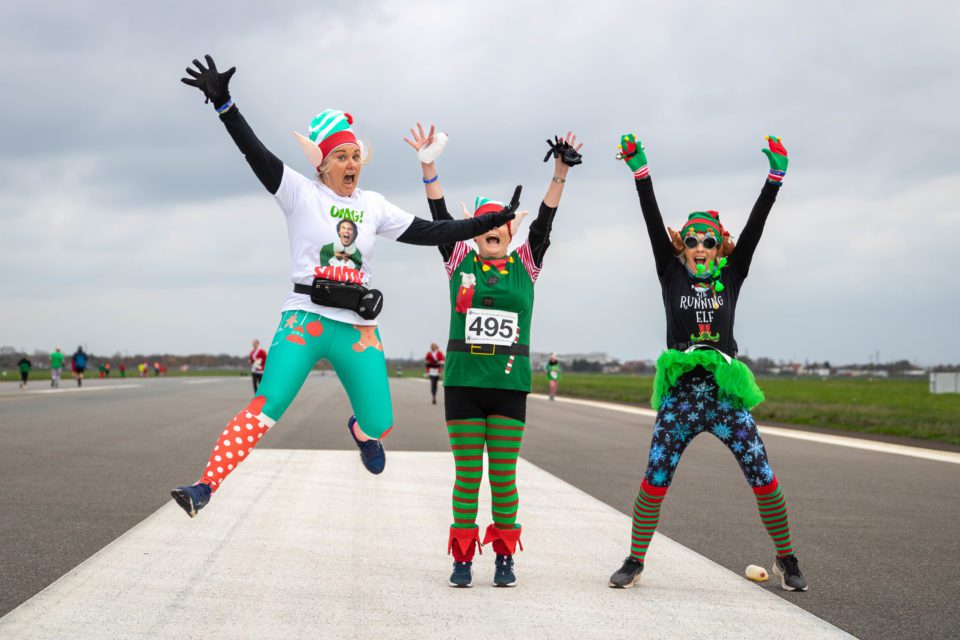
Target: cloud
x: 121, y: 192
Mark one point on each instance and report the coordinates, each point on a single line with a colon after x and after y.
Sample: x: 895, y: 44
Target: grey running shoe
x: 787, y: 569
x: 462, y: 576
x: 504, y: 575
x: 627, y: 575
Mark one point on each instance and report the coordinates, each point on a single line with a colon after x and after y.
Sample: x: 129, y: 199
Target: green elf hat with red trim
x: 328, y: 130
x: 704, y: 222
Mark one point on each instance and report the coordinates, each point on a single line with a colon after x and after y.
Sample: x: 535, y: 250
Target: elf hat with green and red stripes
x: 703, y: 222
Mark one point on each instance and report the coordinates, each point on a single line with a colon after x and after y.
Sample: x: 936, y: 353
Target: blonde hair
x: 365, y: 155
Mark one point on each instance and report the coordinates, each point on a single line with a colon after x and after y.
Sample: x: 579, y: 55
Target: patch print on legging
x: 692, y: 407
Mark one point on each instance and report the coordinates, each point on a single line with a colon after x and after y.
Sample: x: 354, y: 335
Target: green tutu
x: 734, y: 379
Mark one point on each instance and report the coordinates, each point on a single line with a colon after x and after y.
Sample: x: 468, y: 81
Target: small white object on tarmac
x: 430, y: 153
x: 755, y: 573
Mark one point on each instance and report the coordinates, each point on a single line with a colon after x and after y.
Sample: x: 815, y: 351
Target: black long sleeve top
x: 695, y: 314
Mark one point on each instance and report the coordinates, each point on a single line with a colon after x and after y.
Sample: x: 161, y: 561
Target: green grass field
x: 892, y: 407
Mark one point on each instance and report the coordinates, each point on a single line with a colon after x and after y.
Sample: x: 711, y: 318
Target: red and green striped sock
x: 466, y: 441
x: 504, y: 436
x: 773, y: 513
x: 646, y: 515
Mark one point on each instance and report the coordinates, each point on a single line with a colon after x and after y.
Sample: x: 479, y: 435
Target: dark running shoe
x: 192, y: 498
x: 627, y: 575
x: 462, y: 576
x: 504, y: 576
x: 788, y: 571
x: 371, y: 451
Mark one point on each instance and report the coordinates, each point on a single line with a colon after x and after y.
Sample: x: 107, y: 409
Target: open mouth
x: 348, y: 179
x: 493, y: 240
x: 700, y: 260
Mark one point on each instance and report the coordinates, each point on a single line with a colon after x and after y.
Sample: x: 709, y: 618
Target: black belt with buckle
x: 489, y: 349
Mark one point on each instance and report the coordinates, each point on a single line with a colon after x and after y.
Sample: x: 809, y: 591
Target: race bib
x: 490, y: 326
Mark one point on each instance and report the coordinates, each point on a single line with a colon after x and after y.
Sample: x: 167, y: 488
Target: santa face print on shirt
x: 343, y: 251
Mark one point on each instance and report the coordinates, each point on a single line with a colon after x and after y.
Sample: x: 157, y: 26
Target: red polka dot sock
x: 233, y: 446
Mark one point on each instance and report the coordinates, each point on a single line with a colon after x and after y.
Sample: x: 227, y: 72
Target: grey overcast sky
x: 130, y: 222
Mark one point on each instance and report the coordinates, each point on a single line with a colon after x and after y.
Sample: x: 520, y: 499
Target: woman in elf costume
x: 700, y: 385
x: 330, y: 313
x: 554, y: 371
x: 487, y: 375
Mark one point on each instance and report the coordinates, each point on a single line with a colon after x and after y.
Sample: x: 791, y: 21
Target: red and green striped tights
x: 501, y: 436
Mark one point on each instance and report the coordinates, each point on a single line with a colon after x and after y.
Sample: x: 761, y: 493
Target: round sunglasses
x: 708, y: 242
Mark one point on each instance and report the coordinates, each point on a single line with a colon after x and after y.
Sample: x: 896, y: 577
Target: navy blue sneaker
x: 192, y: 498
x: 371, y: 451
x: 503, y: 575
x: 462, y: 575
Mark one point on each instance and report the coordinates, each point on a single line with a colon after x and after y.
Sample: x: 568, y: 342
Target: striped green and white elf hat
x: 328, y: 130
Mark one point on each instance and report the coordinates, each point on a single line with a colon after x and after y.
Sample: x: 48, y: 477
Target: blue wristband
x: 431, y: 180
x: 222, y: 108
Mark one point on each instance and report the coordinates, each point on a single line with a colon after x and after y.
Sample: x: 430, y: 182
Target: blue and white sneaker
x: 371, y: 451
x: 192, y: 498
x: 503, y: 574
x: 462, y: 575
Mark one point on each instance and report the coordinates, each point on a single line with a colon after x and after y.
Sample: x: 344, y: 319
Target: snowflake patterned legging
x: 692, y: 407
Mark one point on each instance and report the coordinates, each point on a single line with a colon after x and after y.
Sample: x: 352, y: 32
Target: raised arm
x: 742, y: 254
x: 215, y: 87
x: 428, y: 148
x: 632, y: 152
x: 566, y: 154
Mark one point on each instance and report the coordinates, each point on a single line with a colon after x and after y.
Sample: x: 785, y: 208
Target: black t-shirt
x: 695, y: 314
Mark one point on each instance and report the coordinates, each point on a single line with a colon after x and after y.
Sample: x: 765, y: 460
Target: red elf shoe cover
x: 463, y: 543
x: 505, y: 541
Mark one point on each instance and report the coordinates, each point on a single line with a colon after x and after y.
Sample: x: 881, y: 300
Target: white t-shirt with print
x: 313, y: 211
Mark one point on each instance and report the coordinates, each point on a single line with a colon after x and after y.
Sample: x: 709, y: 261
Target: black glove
x: 562, y: 149
x: 215, y: 85
x: 505, y: 215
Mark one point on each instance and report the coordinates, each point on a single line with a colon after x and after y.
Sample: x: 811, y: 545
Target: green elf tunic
x: 491, y: 304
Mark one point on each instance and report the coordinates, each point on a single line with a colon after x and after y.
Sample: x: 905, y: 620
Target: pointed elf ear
x: 466, y: 212
x: 311, y: 150
x: 726, y: 247
x: 676, y: 241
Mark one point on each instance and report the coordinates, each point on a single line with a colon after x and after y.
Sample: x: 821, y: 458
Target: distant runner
x: 554, y: 370
x: 25, y: 366
x: 79, y: 365
x: 258, y: 360
x: 56, y: 367
x: 433, y: 362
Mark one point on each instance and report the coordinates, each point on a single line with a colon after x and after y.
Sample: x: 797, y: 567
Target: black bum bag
x: 367, y: 303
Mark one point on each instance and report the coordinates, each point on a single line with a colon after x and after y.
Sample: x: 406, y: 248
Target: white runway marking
x: 307, y: 544
x: 85, y: 389
x: 796, y: 434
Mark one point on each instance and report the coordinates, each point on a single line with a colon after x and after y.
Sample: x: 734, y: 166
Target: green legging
x: 355, y: 351
x: 502, y: 438
x: 301, y: 340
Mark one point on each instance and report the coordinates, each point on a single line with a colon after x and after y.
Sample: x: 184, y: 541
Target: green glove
x: 777, y: 155
x: 631, y: 151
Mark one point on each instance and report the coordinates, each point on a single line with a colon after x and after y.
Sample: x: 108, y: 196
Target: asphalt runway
x: 876, y: 533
